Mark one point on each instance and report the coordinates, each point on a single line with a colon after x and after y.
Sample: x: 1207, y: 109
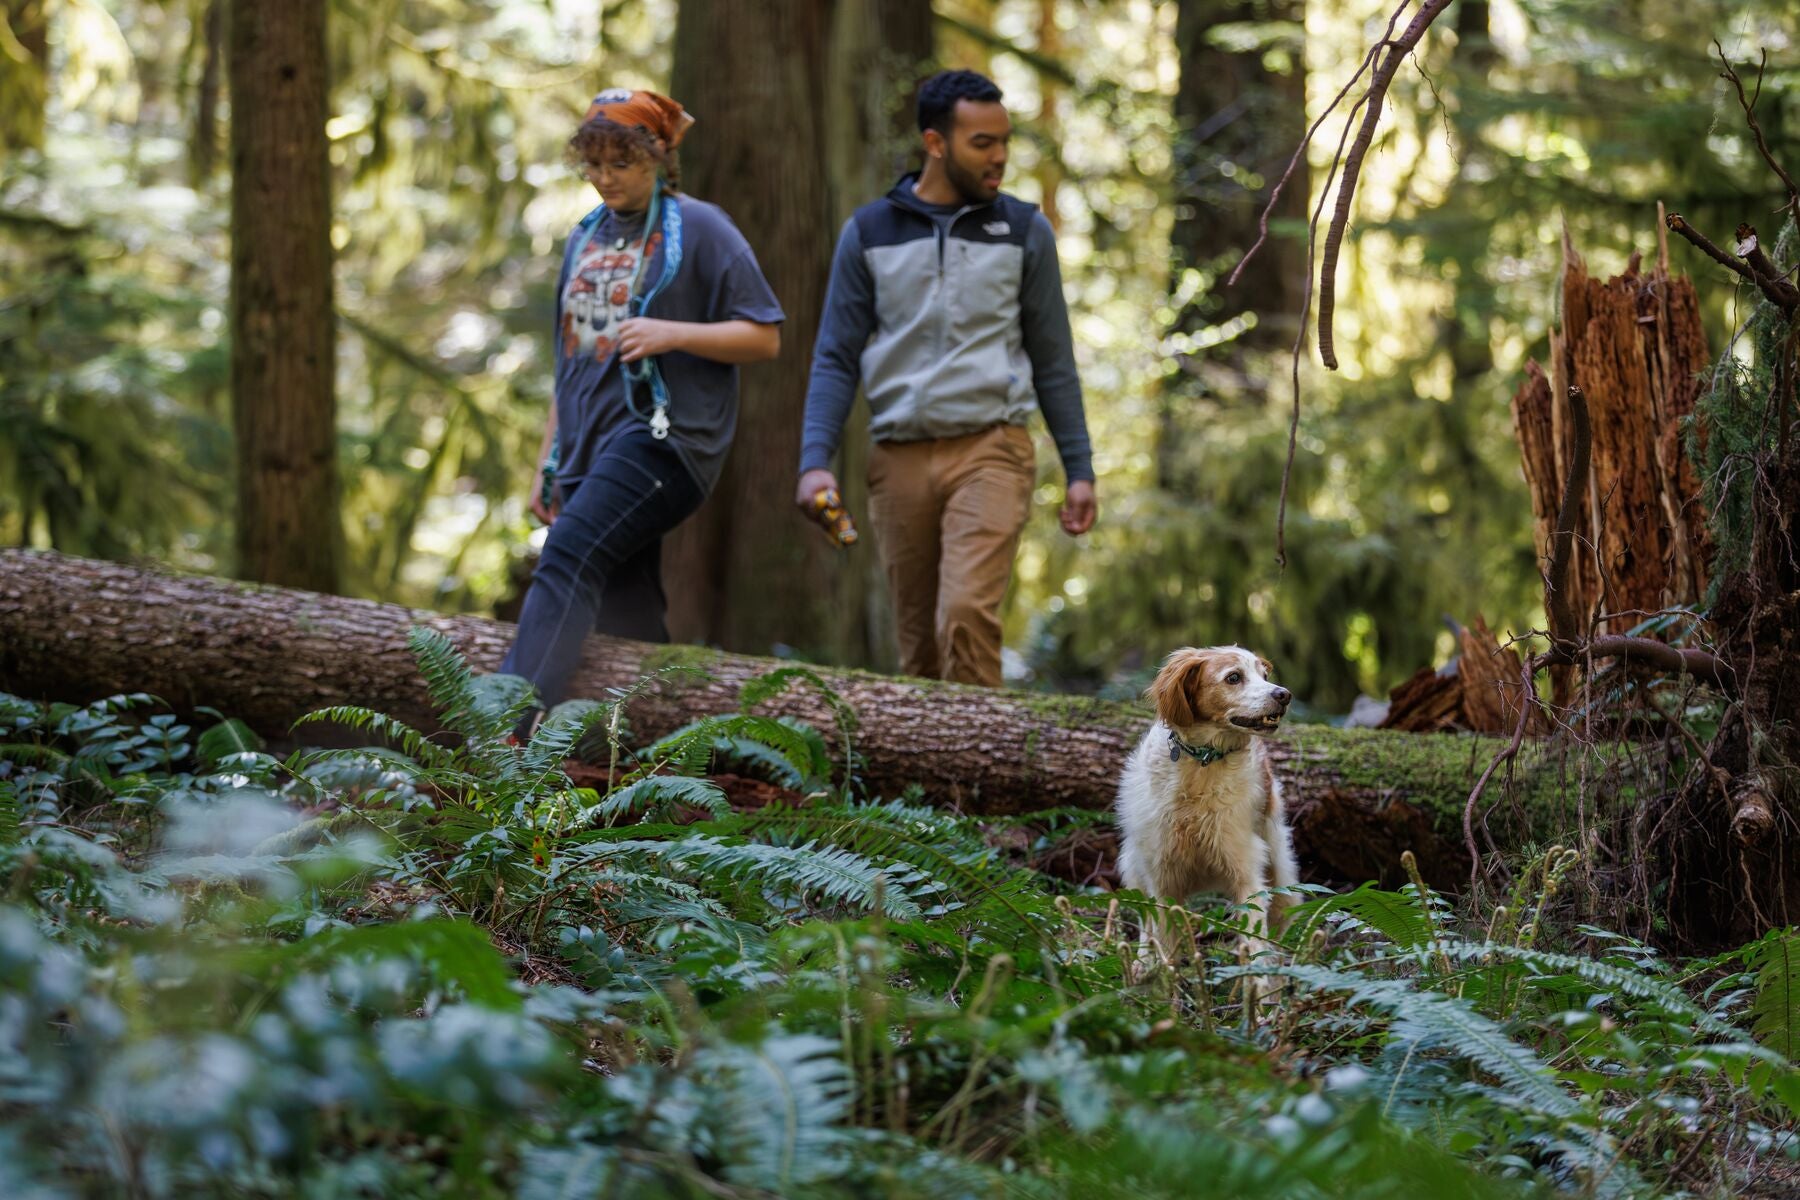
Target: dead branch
x: 1561, y: 611
x: 1359, y: 149
x: 1782, y: 294
x: 1767, y: 275
x: 1749, y: 107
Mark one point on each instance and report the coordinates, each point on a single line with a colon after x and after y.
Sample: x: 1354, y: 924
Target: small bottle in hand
x: 827, y: 508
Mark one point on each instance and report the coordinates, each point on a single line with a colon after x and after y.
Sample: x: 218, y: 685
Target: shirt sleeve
x: 1044, y: 323
x: 742, y: 294
x: 844, y: 330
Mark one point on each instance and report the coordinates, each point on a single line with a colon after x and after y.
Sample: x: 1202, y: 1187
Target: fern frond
x: 33, y: 755
x: 366, y: 720
x: 1436, y: 1021
x: 780, y: 1105
x: 656, y: 794
x: 227, y: 739
x: 1396, y: 916
x: 1775, y: 1010
x: 448, y: 680
x: 1639, y: 985
x: 838, y: 875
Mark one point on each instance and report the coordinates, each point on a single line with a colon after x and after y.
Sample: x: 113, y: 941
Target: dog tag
x: 1174, y: 753
x: 659, y: 424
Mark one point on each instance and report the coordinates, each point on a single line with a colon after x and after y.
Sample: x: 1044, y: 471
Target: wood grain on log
x: 75, y: 629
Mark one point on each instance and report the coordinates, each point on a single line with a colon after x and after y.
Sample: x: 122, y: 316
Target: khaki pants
x: 947, y: 513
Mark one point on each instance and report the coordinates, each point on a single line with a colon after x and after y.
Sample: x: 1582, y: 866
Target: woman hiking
x: 660, y: 298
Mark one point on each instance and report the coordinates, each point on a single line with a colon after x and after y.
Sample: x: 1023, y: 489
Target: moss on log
x: 77, y: 629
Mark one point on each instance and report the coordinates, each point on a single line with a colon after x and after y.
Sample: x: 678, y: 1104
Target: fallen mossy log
x: 76, y: 629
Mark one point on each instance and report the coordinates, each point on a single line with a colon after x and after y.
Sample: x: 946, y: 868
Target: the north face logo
x: 996, y: 228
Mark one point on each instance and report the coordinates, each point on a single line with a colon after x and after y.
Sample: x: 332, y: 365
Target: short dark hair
x: 939, y: 94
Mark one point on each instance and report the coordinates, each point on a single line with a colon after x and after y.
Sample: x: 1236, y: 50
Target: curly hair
x: 939, y: 95
x: 601, y: 140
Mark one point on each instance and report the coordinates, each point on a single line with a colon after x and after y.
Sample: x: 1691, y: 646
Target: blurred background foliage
x: 451, y: 195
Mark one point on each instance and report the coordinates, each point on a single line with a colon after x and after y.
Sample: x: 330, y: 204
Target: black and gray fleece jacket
x: 953, y: 320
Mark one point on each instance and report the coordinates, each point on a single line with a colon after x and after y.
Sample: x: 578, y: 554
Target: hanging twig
x: 1749, y: 107
x: 1359, y: 149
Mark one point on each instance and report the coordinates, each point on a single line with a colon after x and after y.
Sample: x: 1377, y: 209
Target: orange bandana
x: 648, y: 110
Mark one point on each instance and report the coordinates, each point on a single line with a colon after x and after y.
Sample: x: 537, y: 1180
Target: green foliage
x: 464, y: 964
x: 1776, y: 1009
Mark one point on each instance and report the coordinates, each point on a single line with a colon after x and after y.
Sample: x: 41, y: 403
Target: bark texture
x: 24, y: 84
x: 76, y: 629
x: 745, y: 572
x: 1635, y: 346
x: 283, y: 352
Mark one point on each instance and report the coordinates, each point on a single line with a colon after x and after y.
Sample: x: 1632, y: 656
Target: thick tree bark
x: 282, y: 339
x: 76, y: 629
x: 745, y: 572
x: 24, y: 86
x: 1237, y: 121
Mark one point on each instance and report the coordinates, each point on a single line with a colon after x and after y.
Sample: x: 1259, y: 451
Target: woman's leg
x: 634, y: 604
x: 637, y: 492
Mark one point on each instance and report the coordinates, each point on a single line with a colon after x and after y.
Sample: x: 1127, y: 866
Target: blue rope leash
x: 645, y: 371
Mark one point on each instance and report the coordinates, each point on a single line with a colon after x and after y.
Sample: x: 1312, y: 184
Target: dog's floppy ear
x: 1176, y: 688
x: 1268, y: 668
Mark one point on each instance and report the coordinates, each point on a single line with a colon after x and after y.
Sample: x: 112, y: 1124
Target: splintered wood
x: 1635, y: 346
x: 1479, y: 691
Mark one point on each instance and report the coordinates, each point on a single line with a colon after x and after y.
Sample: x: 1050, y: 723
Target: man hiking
x: 946, y: 304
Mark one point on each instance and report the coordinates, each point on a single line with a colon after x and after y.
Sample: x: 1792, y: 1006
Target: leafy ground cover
x: 438, y: 966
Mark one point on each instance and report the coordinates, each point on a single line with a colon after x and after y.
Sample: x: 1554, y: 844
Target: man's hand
x: 811, y: 483
x: 646, y: 337
x: 543, y: 512
x: 1079, y: 508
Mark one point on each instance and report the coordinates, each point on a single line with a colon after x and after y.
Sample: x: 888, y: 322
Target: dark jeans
x: 601, y: 568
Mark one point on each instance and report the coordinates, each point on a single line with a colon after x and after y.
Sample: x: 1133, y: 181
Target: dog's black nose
x: 1282, y: 696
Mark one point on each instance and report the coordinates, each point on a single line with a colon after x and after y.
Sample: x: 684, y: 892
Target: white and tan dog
x: 1199, y: 806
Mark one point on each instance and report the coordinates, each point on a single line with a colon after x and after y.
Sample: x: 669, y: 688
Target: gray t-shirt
x: 718, y: 280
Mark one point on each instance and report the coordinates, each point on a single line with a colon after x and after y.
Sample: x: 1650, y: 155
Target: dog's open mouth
x: 1259, y: 724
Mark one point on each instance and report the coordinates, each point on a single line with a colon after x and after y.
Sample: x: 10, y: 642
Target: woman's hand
x: 646, y: 337
x: 543, y: 512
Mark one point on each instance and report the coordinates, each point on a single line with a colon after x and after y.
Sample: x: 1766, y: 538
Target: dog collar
x: 1204, y: 755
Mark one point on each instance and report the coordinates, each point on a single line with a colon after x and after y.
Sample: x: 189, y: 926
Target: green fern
x: 366, y: 720
x: 449, y: 682
x: 1396, y: 916
x: 229, y: 738
x: 1611, y: 976
x: 657, y: 795
x: 1776, y: 1007
x: 779, y: 1104
x: 1433, y: 1020
x: 838, y: 875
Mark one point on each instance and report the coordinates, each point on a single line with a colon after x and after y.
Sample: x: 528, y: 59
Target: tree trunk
x: 282, y: 337
x: 24, y: 86
x: 76, y: 629
x: 745, y: 572
x: 1636, y: 348
x: 1237, y: 122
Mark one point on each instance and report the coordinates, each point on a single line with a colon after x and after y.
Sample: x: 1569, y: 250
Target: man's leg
x: 989, y: 477
x: 637, y: 492
x: 905, y: 513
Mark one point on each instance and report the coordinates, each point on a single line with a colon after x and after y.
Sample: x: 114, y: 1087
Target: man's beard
x: 967, y: 183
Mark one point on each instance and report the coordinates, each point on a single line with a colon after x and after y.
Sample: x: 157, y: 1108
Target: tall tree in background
x: 766, y: 80
x: 282, y: 348
x: 1240, y: 109
x: 24, y: 72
